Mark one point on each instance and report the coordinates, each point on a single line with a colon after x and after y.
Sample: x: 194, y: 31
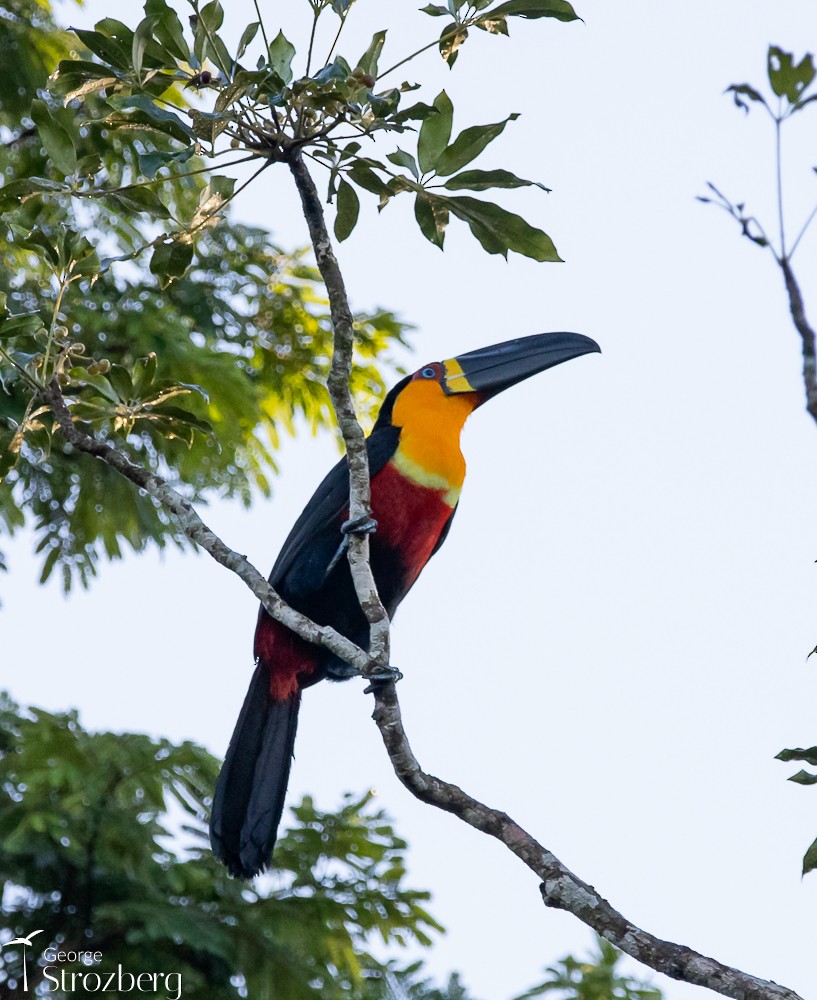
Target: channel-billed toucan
x: 417, y: 471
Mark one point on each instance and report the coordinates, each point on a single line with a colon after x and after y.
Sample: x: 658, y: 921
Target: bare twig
x: 559, y: 886
x: 338, y: 384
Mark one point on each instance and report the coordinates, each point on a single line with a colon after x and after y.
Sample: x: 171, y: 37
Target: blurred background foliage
x: 249, y: 322
x: 104, y: 848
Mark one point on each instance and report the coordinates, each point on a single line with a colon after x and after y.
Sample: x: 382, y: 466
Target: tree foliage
x: 171, y: 332
x: 246, y: 322
x: 104, y: 849
x: 596, y: 977
x: 88, y: 857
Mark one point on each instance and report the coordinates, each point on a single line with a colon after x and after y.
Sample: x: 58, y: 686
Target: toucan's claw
x: 384, y: 675
x: 363, y: 525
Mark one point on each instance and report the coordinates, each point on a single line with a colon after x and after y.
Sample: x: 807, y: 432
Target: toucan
x: 417, y: 471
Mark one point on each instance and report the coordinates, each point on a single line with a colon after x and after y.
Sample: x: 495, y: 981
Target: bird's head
x: 450, y: 390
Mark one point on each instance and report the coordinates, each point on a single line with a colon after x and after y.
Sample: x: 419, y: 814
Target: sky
x: 611, y: 646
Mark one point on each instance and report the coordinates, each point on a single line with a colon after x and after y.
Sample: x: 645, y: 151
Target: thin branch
x: 454, y: 30
x: 808, y: 337
x: 343, y: 17
x: 802, y: 232
x: 779, y: 171
x: 263, y: 29
x: 198, y: 532
x: 338, y: 385
x: 102, y: 192
x: 316, y: 13
x: 560, y: 888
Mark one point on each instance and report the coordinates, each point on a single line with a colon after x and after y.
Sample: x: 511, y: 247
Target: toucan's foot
x: 383, y: 675
x: 363, y: 525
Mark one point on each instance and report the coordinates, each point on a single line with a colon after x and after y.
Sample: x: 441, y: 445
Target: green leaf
x: 76, y: 77
x: 482, y: 180
x: 171, y: 260
x: 151, y: 163
x: 435, y: 133
x: 468, y: 145
x: 120, y: 378
x: 247, y: 36
x: 365, y: 177
x: 16, y: 192
x: 212, y: 16
x: 810, y: 859
x: 560, y: 9
x: 164, y: 121
x: 493, y: 25
x: 20, y: 325
x: 219, y: 185
x: 499, y: 231
x: 403, y: 159
x: 348, y: 209
x: 98, y: 382
x: 808, y: 756
x: 787, y: 79
x: 368, y: 61
x: 431, y: 214
x: 210, y: 19
x: 37, y: 242
x: 435, y: 10
x: 140, y: 199
x: 384, y: 104
x: 281, y: 54
x: 176, y: 414
x: 141, y: 37
x: 84, y: 259
x: 112, y: 51
x: 209, y: 126
x: 58, y: 143
x: 451, y: 38
x: 740, y: 90
x: 144, y: 375
x: 804, y: 778
x: 168, y: 29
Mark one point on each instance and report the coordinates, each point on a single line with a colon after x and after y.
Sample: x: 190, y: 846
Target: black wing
x: 300, y: 568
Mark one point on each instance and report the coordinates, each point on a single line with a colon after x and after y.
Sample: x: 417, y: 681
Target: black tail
x: 249, y: 796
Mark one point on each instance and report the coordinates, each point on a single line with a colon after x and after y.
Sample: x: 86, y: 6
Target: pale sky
x: 612, y: 644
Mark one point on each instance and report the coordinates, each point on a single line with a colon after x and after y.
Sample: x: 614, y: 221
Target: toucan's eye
x: 429, y: 373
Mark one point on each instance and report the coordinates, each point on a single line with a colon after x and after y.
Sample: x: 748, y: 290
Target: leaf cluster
x: 88, y: 856
x: 133, y: 348
x: 271, y: 113
x: 593, y: 978
x: 790, y: 81
x: 803, y: 777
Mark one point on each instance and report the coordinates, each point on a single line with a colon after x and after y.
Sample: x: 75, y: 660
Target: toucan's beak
x: 491, y: 369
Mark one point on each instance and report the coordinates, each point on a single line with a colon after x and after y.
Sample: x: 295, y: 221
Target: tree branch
x: 807, y: 336
x: 197, y: 531
x: 341, y: 396
x: 559, y: 886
